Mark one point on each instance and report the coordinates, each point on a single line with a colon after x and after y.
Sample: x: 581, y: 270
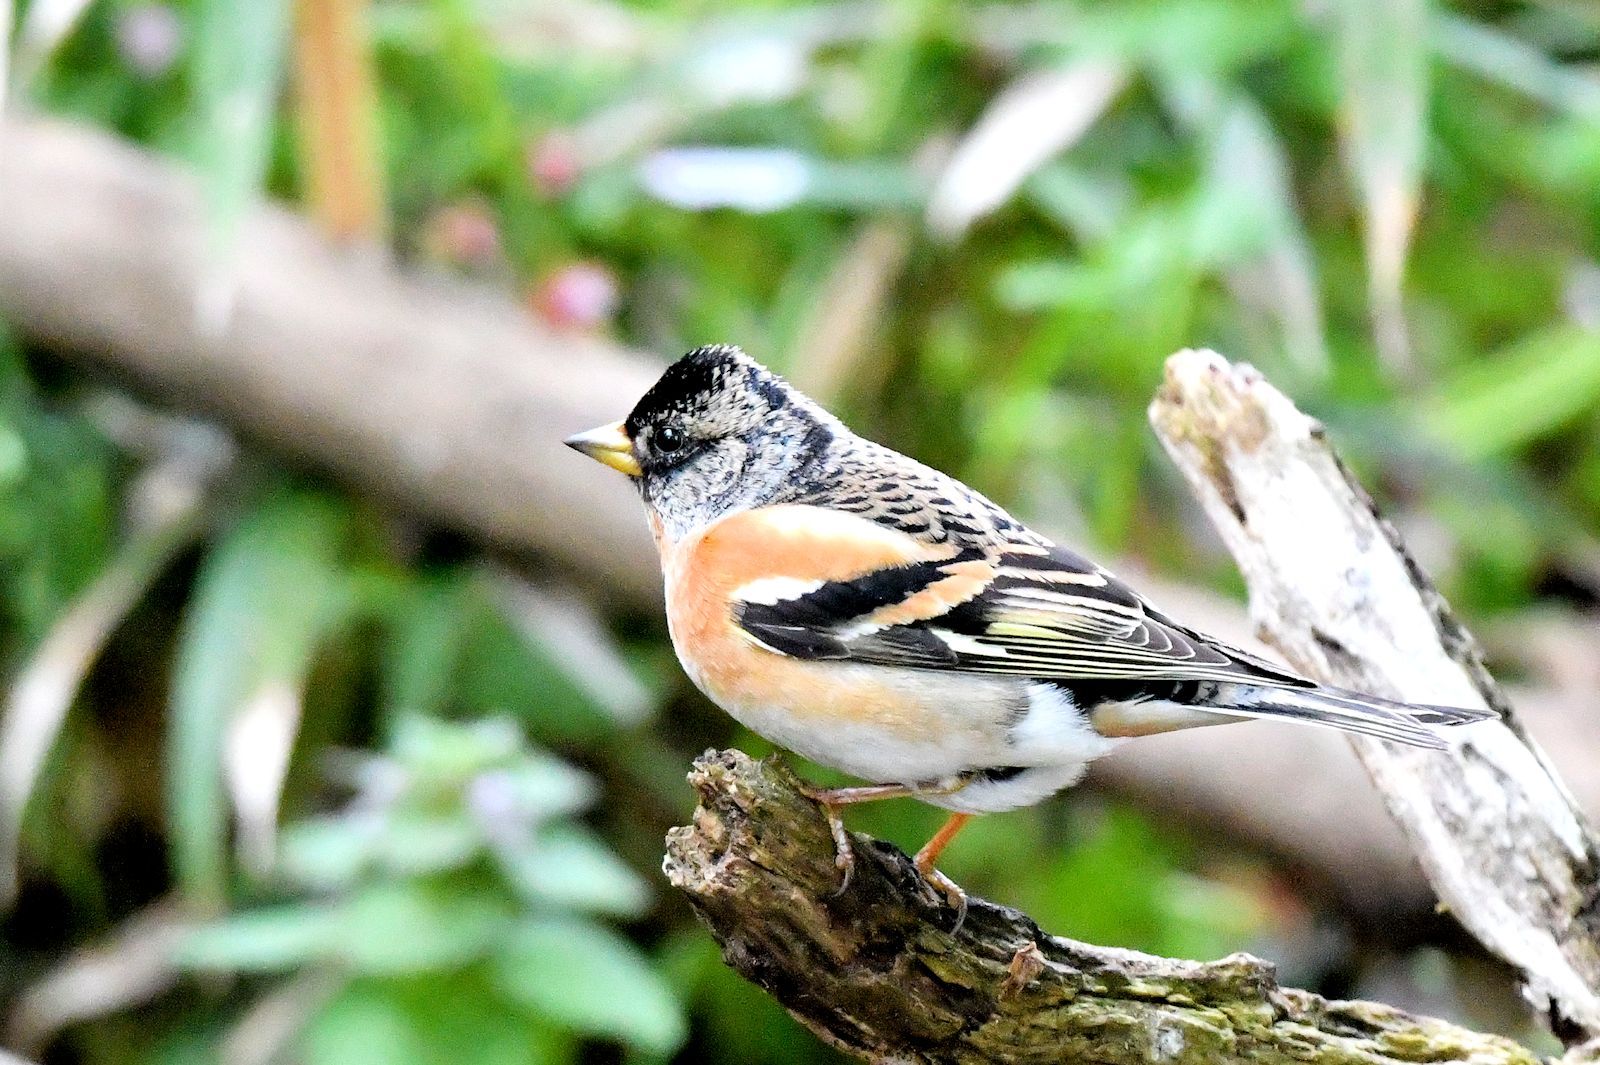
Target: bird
x: 879, y: 617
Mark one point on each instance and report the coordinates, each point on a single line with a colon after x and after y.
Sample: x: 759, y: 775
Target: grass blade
x: 238, y: 70
x: 1383, y: 65
x: 1498, y: 404
x: 833, y: 346
x: 1248, y: 159
x: 44, y: 26
x: 1035, y: 118
x: 133, y: 965
x: 264, y: 597
x: 571, y: 635
x: 1502, y: 58
x: 36, y: 707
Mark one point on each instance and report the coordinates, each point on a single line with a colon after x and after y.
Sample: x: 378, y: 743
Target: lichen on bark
x: 879, y: 969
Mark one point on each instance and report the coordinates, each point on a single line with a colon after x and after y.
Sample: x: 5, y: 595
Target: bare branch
x: 877, y: 972
x: 1332, y: 588
x: 437, y: 395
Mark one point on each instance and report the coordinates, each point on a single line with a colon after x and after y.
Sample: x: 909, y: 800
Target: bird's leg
x: 929, y: 855
x: 833, y: 801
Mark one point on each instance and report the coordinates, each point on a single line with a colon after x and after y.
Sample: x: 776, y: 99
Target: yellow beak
x: 609, y: 444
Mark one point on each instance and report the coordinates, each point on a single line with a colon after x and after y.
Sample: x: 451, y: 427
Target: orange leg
x: 928, y: 856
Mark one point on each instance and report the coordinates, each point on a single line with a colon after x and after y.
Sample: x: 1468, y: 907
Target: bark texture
x: 1332, y: 588
x: 877, y: 971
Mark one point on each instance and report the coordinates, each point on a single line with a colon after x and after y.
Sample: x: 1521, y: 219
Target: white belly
x: 899, y: 726
x: 907, y: 726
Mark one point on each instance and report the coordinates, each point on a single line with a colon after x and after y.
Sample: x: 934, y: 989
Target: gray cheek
x: 721, y: 476
x: 716, y: 482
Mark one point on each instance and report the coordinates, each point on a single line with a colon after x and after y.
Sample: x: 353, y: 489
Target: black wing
x: 1024, y: 610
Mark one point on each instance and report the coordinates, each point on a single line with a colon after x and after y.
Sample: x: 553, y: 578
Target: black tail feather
x: 1348, y: 711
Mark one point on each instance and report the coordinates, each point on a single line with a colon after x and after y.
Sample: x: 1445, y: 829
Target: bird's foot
x: 844, y: 855
x: 952, y: 892
x: 834, y: 800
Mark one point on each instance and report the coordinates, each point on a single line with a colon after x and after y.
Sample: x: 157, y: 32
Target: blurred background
x: 339, y: 723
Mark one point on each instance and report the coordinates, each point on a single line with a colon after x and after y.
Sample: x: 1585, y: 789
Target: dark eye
x: 668, y: 439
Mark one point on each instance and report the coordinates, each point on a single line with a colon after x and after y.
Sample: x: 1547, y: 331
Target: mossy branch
x: 877, y: 970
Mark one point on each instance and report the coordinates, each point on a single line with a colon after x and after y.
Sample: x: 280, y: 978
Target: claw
x: 930, y: 854
x: 832, y: 800
x: 952, y: 893
x: 844, y: 855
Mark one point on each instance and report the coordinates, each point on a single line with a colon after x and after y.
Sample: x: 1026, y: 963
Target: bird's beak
x: 609, y: 444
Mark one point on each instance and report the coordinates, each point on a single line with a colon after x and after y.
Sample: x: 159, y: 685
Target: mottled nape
x: 748, y: 439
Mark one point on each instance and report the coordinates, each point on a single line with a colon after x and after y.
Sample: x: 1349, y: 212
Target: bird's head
x: 717, y: 433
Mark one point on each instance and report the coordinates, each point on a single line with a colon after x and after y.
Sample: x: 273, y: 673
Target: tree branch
x: 877, y: 972
x: 440, y: 396
x: 1333, y: 589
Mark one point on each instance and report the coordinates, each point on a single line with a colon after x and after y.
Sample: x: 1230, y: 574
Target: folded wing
x: 1046, y: 613
x: 1026, y: 610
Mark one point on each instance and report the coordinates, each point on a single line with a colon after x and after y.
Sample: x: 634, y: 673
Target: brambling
x: 877, y: 616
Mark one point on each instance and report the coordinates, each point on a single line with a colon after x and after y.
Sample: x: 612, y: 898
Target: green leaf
x: 427, y: 632
x: 416, y: 843
x: 238, y: 52
x: 409, y: 928
x: 13, y: 456
x: 443, y: 755
x: 264, y: 598
x: 267, y: 940
x: 537, y: 789
x: 587, y: 977
x: 1499, y: 404
x: 330, y: 852
x: 431, y: 1020
x: 569, y: 867
x: 365, y: 1025
x: 57, y: 517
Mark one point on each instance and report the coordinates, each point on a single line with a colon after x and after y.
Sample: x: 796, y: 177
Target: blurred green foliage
x: 1392, y: 208
x: 454, y: 878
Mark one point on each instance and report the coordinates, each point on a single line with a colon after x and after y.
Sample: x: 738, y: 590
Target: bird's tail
x: 1349, y: 711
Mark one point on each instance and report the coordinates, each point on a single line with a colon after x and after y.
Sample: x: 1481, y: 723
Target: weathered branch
x: 443, y: 397
x: 1333, y: 589
x: 877, y: 971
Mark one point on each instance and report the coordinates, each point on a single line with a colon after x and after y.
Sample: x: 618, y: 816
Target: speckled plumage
x: 903, y: 494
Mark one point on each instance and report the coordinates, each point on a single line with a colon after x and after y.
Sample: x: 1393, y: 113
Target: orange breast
x: 794, y: 542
